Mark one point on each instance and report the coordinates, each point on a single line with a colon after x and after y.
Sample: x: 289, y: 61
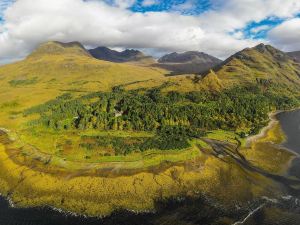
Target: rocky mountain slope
x: 128, y: 55
x: 295, y: 55
x: 192, y: 62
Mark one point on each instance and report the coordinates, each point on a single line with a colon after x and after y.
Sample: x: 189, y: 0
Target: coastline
x: 264, y: 132
x: 273, y: 121
x: 143, y: 189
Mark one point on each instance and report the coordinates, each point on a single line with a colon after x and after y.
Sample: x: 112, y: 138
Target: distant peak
x: 266, y: 48
x: 101, y: 48
x: 187, y: 57
x: 128, y: 55
x: 60, y: 48
x: 261, y: 45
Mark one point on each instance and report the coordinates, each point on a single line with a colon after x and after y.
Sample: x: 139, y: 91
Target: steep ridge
x: 128, y: 55
x: 191, y: 62
x: 262, y: 63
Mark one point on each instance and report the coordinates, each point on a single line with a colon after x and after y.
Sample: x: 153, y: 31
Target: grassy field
x: 44, y: 144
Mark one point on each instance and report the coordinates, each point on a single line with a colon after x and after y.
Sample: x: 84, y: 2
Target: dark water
x: 171, y: 212
x: 37, y: 216
x: 290, y: 123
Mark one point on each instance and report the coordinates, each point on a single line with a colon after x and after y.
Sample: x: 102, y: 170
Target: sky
x: 217, y: 27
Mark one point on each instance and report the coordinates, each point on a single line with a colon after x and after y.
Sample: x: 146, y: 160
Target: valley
x: 94, y: 137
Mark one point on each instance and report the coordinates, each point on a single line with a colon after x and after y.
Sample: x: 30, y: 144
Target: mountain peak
x: 189, y: 56
x: 262, y: 48
x: 60, y: 48
x: 254, y: 54
x: 128, y: 55
x: 260, y: 62
x: 191, y: 62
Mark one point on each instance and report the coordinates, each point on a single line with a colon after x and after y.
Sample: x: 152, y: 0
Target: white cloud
x: 93, y: 22
x: 4, y: 4
x: 286, y: 35
x: 189, y: 4
x: 147, y: 3
x: 236, y: 14
x: 124, y: 3
x: 258, y: 29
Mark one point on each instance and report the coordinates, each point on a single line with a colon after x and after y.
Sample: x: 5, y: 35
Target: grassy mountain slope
x: 56, y: 68
x: 59, y: 49
x: 262, y: 63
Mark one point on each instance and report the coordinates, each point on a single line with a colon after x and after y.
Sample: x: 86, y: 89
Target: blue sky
x: 3, y: 5
x: 217, y: 27
x: 183, y: 6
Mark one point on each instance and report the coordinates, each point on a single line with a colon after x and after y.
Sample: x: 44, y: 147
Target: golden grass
x: 94, y: 195
x: 267, y: 146
x: 91, y: 194
x: 44, y: 143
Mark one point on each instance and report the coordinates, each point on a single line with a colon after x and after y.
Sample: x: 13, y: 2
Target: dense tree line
x: 166, y: 139
x: 172, y: 115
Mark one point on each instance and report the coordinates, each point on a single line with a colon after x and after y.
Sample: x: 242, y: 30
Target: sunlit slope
x: 55, y: 68
x: 54, y: 65
x: 262, y: 63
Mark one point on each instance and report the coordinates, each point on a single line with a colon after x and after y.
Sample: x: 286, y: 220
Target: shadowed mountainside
x: 192, y: 62
x: 128, y: 55
x: 295, y: 55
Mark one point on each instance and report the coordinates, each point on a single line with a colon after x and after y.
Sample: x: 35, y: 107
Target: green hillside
x: 261, y: 64
x: 56, y: 68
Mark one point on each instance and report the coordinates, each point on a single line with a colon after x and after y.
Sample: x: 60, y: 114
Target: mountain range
x: 69, y: 66
x: 192, y: 62
x: 128, y: 55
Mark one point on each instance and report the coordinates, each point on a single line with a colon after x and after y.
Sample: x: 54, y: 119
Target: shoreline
x: 156, y: 182
x: 273, y: 121
x: 263, y: 132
